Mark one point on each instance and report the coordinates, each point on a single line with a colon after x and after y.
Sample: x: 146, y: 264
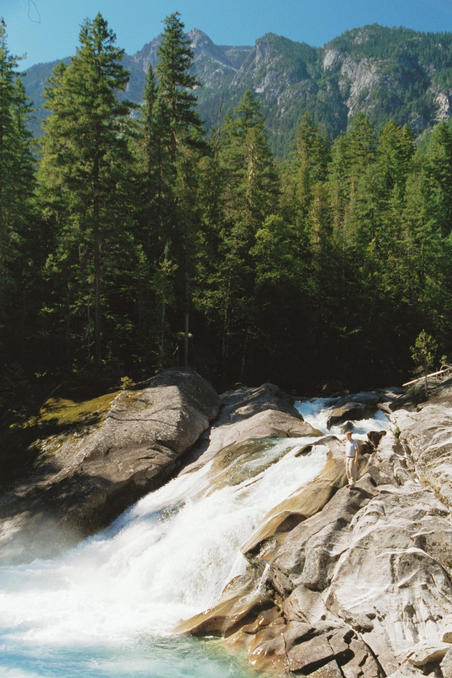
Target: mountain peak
x: 365, y: 69
x: 199, y: 39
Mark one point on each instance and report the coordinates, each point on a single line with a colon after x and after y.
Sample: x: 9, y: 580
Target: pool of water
x: 146, y: 658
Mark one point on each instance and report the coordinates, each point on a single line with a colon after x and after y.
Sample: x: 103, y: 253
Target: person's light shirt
x: 350, y: 448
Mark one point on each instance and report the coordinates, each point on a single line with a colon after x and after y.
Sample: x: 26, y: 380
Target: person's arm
x: 356, y: 452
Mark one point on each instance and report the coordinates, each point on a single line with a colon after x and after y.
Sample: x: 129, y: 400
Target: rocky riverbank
x: 91, y: 469
x: 353, y: 582
x: 339, y: 583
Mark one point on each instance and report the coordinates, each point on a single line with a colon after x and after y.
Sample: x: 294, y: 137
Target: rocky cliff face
x: 385, y: 73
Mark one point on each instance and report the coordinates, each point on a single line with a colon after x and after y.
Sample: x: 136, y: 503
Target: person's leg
x: 349, y: 470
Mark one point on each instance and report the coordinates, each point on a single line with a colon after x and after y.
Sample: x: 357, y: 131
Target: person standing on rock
x: 351, y: 457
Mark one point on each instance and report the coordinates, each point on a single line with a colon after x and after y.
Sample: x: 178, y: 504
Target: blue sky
x: 46, y: 30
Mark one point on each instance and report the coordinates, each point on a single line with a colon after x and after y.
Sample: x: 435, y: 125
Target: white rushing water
x: 318, y: 410
x: 166, y: 558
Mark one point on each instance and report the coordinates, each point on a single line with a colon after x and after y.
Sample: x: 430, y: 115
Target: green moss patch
x: 61, y: 415
x: 29, y: 443
x: 62, y: 412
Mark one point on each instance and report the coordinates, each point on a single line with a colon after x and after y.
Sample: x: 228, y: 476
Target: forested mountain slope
x: 135, y: 241
x: 383, y: 72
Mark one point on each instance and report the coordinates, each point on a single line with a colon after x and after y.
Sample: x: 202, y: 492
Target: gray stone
x: 427, y: 437
x: 350, y: 410
x: 310, y: 655
x: 311, y: 549
x: 351, y: 582
x: 426, y: 653
x: 363, y: 580
x: 88, y: 480
x: 361, y: 663
x: 303, y: 604
x: 251, y: 414
x: 446, y: 664
x: 329, y: 670
x: 407, y: 671
x: 385, y: 587
x: 447, y: 630
x: 296, y: 632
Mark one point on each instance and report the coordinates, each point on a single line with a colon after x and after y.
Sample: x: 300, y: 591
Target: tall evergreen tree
x: 439, y: 170
x: 308, y: 165
x: 19, y: 240
x: 85, y: 163
x: 250, y: 197
x: 16, y: 168
x: 180, y: 144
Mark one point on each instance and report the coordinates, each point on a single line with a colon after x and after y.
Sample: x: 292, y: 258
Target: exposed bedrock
x: 353, y: 583
x: 339, y: 582
x: 251, y: 414
x: 82, y: 480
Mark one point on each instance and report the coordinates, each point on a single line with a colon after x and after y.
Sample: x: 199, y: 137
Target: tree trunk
x: 186, y: 337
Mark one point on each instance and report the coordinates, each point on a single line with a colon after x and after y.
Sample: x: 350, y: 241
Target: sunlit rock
x: 84, y: 478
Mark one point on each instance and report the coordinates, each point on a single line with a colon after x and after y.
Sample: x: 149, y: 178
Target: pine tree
x: 146, y: 151
x: 308, y: 164
x: 180, y: 144
x: 19, y: 237
x: 250, y: 196
x: 16, y: 169
x: 148, y: 157
x: 423, y: 353
x: 439, y: 171
x: 83, y: 187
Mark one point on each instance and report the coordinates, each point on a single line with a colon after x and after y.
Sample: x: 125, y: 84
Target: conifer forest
x: 132, y: 238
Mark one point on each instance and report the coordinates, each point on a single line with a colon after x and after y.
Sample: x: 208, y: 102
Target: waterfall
x: 166, y: 558
x: 317, y: 411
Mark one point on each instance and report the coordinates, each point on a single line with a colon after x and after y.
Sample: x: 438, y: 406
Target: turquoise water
x: 148, y: 658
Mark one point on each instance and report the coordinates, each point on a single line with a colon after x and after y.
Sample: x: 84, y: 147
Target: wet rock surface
x: 353, y: 582
x: 251, y: 414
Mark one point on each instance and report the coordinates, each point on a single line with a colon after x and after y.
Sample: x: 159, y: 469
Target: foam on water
x: 107, y: 607
x: 153, y: 658
x: 318, y: 410
x: 166, y: 558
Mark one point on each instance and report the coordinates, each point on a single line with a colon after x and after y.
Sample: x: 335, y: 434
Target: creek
x: 108, y: 607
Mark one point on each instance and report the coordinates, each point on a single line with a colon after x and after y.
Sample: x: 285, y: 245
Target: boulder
x: 350, y: 410
x: 244, y: 402
x: 382, y: 583
x: 426, y: 436
x: 339, y: 582
x: 241, y: 602
x: 83, y: 479
x: 357, y: 580
x: 327, y: 650
x: 311, y: 549
x: 302, y: 504
x: 446, y: 664
x: 310, y: 655
x: 426, y: 654
x: 447, y: 630
x: 267, y: 424
x: 251, y: 414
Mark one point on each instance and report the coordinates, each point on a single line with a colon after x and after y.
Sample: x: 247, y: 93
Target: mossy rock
x: 60, y: 413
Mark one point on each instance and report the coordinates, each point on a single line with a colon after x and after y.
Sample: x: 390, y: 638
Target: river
x: 108, y: 607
